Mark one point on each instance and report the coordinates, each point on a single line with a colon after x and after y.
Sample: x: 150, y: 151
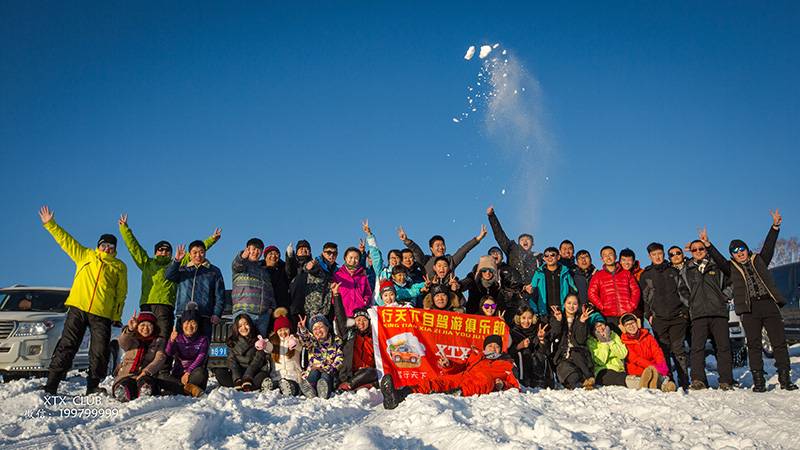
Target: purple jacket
x: 189, y: 353
x: 355, y: 289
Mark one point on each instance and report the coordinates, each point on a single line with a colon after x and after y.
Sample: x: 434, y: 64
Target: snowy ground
x: 560, y: 419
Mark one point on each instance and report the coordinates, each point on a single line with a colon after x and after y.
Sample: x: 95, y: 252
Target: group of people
x: 570, y: 322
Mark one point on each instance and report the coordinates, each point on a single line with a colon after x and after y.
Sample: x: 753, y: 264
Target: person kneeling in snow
x: 482, y: 373
x: 144, y: 357
x: 645, y: 357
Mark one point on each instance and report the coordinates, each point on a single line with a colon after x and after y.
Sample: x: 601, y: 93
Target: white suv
x: 31, y: 323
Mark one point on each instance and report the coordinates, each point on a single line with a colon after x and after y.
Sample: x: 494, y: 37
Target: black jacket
x: 245, y: 361
x: 660, y: 292
x: 760, y: 261
x: 280, y: 284
x: 426, y: 261
x: 507, y: 294
x: 563, y: 335
x: 707, y: 292
x: 523, y: 261
x: 582, y: 283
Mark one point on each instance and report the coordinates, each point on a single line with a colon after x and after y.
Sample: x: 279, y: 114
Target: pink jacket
x: 354, y: 289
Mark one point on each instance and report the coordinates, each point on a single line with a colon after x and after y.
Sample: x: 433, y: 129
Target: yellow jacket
x: 101, y: 280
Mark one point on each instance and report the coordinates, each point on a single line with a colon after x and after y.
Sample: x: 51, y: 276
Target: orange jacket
x: 363, y: 352
x: 478, y: 365
x: 643, y: 351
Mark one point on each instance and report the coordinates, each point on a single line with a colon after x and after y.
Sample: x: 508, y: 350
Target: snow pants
x: 476, y: 383
x: 671, y: 335
x: 764, y: 314
x: 717, y: 327
x: 70, y: 342
x: 575, y: 369
x: 198, y: 377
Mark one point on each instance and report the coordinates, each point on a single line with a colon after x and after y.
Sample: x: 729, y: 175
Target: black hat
x: 303, y: 243
x: 164, y: 244
x: 107, y: 239
x: 494, y: 338
x: 737, y: 243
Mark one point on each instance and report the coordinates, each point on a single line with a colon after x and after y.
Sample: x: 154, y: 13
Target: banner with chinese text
x: 409, y: 341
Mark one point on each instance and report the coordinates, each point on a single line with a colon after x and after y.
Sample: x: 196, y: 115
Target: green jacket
x: 101, y: 280
x: 155, y: 288
x: 608, y: 355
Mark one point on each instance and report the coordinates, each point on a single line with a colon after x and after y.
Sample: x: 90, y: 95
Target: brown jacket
x: 152, y: 361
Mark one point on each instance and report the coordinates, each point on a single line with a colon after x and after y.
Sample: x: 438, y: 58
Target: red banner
x: 409, y: 341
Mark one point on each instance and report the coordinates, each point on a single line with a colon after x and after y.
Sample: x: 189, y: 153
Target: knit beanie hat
x: 493, y: 339
x: 387, y: 286
x: 318, y: 318
x: 737, y: 243
x: 107, y: 239
x: 361, y: 312
x: 281, y: 321
x: 191, y: 313
x: 146, y: 316
x: 303, y: 243
x: 271, y: 248
x: 164, y: 244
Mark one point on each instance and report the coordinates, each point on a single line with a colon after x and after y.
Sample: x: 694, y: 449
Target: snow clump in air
x: 485, y: 50
x: 470, y: 52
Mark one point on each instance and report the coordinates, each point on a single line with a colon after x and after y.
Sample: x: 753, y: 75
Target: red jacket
x: 479, y: 367
x: 363, y: 352
x: 614, y: 294
x: 643, y: 351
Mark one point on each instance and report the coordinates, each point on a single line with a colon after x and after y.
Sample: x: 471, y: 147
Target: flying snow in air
x: 485, y: 50
x: 496, y: 45
x: 470, y: 53
x: 503, y: 192
x: 455, y: 120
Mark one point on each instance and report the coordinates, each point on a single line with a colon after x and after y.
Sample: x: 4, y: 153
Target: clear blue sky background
x: 299, y: 119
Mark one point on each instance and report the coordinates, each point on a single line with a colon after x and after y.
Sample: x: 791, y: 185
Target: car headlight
x: 33, y: 328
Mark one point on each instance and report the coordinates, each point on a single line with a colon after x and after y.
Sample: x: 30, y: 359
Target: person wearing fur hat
x: 190, y: 349
x: 358, y: 362
x: 442, y: 299
x: 324, y: 356
x: 485, y: 279
x: 530, y: 348
x: 282, y: 348
x: 95, y: 300
x: 144, y: 357
x: 247, y: 368
x: 757, y: 300
x: 645, y: 357
x: 481, y: 373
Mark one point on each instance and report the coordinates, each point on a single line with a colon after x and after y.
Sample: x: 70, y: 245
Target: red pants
x: 477, y: 383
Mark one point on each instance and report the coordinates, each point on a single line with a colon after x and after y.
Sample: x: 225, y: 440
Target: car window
x: 784, y: 280
x: 29, y: 300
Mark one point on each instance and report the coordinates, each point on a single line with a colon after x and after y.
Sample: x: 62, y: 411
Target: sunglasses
x: 107, y: 245
x: 486, y: 269
x: 550, y: 255
x: 695, y: 250
x: 674, y: 254
x: 495, y: 252
x: 328, y: 252
x: 164, y: 249
x: 737, y: 250
x: 490, y: 305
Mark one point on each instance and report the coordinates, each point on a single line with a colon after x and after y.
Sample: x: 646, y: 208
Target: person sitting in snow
x: 645, y: 357
x: 246, y: 368
x: 530, y: 348
x: 482, y: 373
x: 358, y: 363
x: 571, y: 358
x: 281, y: 346
x: 144, y: 357
x: 190, y: 349
x: 609, y: 353
x: 324, y: 356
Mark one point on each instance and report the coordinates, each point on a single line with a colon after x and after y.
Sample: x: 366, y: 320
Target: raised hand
x: 556, y: 312
x: 542, y: 330
x: 528, y: 288
x: 335, y: 288
x: 502, y: 315
x: 217, y: 234
x: 180, y: 252
x: 246, y: 253
x: 482, y: 234
x: 704, y: 237
x: 401, y: 234
x: 310, y: 264
x: 365, y: 225
x: 45, y: 214
x: 443, y: 361
x: 362, y: 245
x: 290, y: 249
x: 133, y: 323
x: 490, y: 210
x: 776, y: 218
x: 302, y: 323
x: 123, y: 220
x: 454, y: 283
x: 586, y: 309
x: 174, y: 335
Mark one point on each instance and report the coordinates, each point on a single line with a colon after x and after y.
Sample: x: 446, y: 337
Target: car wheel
x: 113, y: 357
x: 766, y: 346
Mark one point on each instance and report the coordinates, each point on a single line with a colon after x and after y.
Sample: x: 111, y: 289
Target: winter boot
x: 287, y: 387
x: 786, y: 381
x: 391, y: 396
x: 633, y: 382
x: 194, y: 391
x: 683, y: 371
x: 588, y: 384
x: 122, y: 393
x: 146, y: 390
x: 308, y: 389
x: 323, y: 389
x: 456, y: 392
x: 697, y: 385
x: 667, y: 385
x: 759, y: 382
x: 92, y: 387
x: 267, y: 385
x: 649, y: 378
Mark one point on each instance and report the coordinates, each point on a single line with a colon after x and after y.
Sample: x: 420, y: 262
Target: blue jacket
x: 539, y: 302
x: 203, y: 285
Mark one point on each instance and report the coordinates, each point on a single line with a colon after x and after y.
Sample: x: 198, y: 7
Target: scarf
x: 144, y: 345
x: 587, y: 273
x: 490, y: 355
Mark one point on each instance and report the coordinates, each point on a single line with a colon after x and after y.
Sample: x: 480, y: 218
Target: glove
x: 291, y: 342
x: 289, y: 251
x: 263, y: 344
x: 661, y: 368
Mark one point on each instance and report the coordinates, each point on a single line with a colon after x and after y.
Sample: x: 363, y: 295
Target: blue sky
x: 298, y: 120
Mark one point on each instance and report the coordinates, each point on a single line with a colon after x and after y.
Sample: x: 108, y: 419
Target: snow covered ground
x: 603, y: 418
